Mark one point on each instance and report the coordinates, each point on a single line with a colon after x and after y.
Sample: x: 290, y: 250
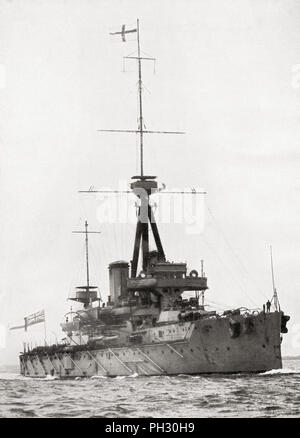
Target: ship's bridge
x: 165, y: 276
x: 167, y: 270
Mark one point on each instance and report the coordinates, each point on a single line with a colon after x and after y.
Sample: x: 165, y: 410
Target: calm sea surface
x: 271, y: 394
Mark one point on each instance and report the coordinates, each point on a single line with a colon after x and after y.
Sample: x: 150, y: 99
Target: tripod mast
x: 143, y: 186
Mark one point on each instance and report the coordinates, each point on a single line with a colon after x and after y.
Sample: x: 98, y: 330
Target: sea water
x: 271, y: 394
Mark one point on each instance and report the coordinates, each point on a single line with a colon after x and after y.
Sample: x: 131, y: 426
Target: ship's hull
x: 209, y: 345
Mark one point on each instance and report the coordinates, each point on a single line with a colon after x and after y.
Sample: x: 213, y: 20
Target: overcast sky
x: 226, y: 74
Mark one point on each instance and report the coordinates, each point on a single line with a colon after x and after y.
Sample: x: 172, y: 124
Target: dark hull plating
x: 208, y: 345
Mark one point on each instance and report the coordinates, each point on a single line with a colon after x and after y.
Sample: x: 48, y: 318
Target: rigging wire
x: 218, y: 305
x: 234, y: 253
x: 231, y: 272
x: 78, y: 278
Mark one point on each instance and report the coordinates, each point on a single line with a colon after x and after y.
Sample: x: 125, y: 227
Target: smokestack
x: 118, y: 275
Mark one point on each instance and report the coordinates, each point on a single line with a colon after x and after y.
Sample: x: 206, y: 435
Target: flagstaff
x: 30, y: 320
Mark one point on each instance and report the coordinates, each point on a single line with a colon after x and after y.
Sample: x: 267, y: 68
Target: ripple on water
x: 19, y: 412
x: 268, y: 395
x: 241, y: 391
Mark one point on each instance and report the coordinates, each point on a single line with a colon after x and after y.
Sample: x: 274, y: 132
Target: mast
x: 141, y: 122
x: 88, y: 288
x: 87, y: 255
x: 143, y: 186
x: 202, y: 275
x: 140, y: 128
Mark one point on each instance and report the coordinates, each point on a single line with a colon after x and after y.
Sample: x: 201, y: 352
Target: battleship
x: 147, y: 327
